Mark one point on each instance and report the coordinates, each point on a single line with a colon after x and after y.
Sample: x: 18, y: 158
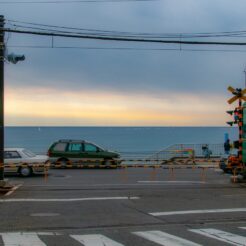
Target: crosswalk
x: 156, y: 237
x: 163, y: 238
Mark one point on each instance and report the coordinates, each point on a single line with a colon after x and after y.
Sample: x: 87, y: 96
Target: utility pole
x: 2, y: 47
x: 244, y: 77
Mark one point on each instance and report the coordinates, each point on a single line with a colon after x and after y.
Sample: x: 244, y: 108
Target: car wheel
x: 63, y: 163
x: 109, y: 163
x: 25, y: 171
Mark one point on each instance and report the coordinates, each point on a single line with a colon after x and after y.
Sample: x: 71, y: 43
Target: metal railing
x: 185, y: 150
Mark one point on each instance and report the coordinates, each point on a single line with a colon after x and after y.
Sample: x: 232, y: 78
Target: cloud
x: 158, y: 77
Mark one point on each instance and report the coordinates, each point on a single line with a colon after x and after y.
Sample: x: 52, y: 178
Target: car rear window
x: 60, y: 147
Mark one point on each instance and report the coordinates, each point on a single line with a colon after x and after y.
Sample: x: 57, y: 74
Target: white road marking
x: 234, y: 195
x: 223, y: 236
x: 46, y: 233
x: 164, y: 239
x: 95, y: 240
x: 202, y: 211
x: 172, y: 182
x: 44, y: 214
x: 23, y: 238
x: 69, y: 199
x: 14, y: 189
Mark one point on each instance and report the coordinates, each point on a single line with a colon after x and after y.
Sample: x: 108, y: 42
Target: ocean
x: 126, y: 140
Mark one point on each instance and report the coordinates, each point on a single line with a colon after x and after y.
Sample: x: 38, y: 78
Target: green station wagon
x: 79, y: 151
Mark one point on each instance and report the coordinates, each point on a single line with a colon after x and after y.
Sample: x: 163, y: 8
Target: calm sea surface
x: 121, y: 139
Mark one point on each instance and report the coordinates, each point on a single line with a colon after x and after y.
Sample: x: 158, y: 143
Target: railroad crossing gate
x: 239, y: 118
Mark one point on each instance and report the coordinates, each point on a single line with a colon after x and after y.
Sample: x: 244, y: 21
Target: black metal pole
x: 1, y: 97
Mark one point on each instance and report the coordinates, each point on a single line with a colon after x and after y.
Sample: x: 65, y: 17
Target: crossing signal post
x: 238, y: 118
x: 2, y: 48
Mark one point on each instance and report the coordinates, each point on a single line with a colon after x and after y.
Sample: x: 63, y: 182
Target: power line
x: 240, y: 33
x: 128, y: 34
x: 73, y: 1
x: 122, y: 39
x: 123, y: 48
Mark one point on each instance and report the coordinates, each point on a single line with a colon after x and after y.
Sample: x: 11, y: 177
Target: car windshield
x: 29, y: 153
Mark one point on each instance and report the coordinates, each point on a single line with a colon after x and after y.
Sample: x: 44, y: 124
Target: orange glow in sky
x: 43, y: 106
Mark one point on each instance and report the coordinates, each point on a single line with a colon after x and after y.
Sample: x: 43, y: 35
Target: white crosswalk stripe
x: 223, y: 236
x: 95, y: 240
x: 154, y: 236
x: 21, y: 239
x: 164, y: 239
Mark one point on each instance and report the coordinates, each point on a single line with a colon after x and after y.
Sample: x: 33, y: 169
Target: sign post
x: 2, y: 48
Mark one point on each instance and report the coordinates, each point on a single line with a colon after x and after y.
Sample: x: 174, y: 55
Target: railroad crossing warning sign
x: 238, y: 93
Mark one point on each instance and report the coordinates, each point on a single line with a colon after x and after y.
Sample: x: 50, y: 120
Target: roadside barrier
x: 136, y: 163
x: 154, y: 164
x: 21, y: 164
x: 125, y: 164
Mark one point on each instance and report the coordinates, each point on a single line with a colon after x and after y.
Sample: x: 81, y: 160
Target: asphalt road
x: 130, y: 207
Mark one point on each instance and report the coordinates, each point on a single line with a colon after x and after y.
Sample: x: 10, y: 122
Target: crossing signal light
x: 230, y: 123
x: 237, y: 115
x: 230, y: 112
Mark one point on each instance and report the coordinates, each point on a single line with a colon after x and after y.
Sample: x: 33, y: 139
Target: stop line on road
x: 157, y: 237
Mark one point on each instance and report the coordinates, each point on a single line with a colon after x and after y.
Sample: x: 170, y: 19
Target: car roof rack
x: 71, y: 140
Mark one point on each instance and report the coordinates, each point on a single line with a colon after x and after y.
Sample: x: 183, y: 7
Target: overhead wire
x: 30, y: 28
x: 125, y: 39
x: 123, y: 48
x: 73, y: 1
x: 133, y: 34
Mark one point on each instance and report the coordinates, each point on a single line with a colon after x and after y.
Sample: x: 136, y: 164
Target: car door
x: 12, y: 160
x: 92, y: 154
x: 74, y: 151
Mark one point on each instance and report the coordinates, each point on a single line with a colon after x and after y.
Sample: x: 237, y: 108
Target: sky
x: 101, y: 87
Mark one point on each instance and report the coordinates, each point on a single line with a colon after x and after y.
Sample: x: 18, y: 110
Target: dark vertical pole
x: 240, y: 125
x: 1, y: 97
